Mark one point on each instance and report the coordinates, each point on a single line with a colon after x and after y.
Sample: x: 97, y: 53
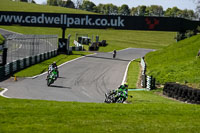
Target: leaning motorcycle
x: 52, y: 77
x: 116, y: 97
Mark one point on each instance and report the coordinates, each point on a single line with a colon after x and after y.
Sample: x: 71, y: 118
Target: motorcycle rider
x: 52, y: 67
x: 114, y: 53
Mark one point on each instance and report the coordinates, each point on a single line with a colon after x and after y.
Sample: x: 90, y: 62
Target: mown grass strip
x: 43, y: 66
x: 133, y: 74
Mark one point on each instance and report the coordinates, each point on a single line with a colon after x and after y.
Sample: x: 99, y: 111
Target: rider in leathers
x: 52, y: 67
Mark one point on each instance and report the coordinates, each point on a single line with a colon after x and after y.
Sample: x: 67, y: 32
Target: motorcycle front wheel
x: 49, y: 81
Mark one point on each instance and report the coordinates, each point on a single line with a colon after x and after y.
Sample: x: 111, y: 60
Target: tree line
x: 110, y: 9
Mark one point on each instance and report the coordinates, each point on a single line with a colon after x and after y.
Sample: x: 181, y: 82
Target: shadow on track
x: 61, y: 77
x: 109, y: 58
x: 57, y: 86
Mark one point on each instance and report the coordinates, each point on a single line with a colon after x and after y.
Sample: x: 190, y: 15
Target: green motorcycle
x: 52, y: 77
x: 116, y: 96
x: 121, y: 97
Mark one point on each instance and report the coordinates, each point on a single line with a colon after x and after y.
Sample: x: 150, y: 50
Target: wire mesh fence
x: 21, y: 46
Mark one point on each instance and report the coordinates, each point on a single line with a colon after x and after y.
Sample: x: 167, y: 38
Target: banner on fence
x: 96, y: 21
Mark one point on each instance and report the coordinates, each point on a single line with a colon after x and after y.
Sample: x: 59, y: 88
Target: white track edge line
x: 126, y: 71
x: 3, y: 91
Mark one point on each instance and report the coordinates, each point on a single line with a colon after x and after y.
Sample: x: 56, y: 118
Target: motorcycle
x: 114, y: 54
x: 52, y: 77
x: 116, y: 96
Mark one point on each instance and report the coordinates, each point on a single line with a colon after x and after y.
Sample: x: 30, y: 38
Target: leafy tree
x: 139, y: 11
x: 100, y: 8
x: 189, y: 14
x: 173, y: 12
x: 111, y: 9
x: 197, y: 11
x: 52, y: 2
x: 68, y: 4
x: 124, y: 10
x: 142, y: 10
x: 134, y: 11
x: 78, y: 3
x: 33, y: 2
x: 154, y: 10
x: 108, y: 9
x: 168, y: 12
x: 88, y: 5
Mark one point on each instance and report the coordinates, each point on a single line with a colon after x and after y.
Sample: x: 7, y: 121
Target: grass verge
x: 148, y: 113
x: 133, y: 74
x: 43, y: 66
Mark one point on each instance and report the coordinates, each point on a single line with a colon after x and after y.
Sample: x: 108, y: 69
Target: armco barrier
x: 12, y: 67
x: 182, y: 93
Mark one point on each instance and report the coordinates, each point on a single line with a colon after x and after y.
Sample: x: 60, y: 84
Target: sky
x: 181, y: 4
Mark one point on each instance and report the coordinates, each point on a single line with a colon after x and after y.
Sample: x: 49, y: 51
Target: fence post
x: 22, y: 64
x: 30, y: 61
x: 18, y: 65
x: 27, y: 62
x: 42, y: 57
x: 14, y: 66
x: 38, y: 58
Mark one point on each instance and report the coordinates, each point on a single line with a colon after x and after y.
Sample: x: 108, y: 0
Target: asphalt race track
x: 86, y: 79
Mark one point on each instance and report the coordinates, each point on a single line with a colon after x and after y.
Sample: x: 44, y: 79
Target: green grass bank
x: 177, y: 62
